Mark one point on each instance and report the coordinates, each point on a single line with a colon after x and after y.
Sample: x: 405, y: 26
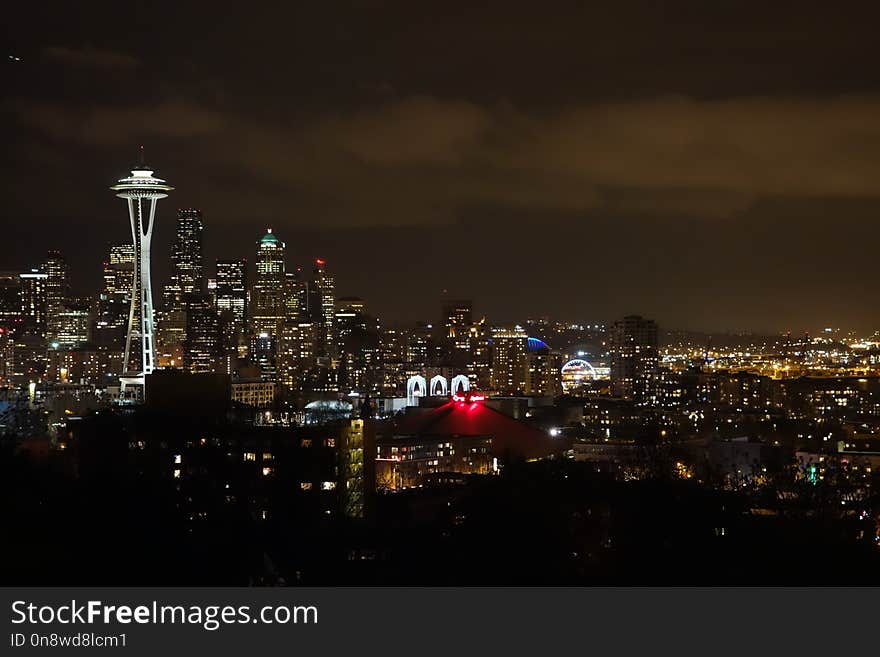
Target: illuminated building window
x: 305, y: 442
x: 330, y: 442
x: 177, y: 474
x: 305, y: 485
x: 250, y: 456
x: 267, y: 456
x: 267, y: 471
x: 328, y: 485
x: 177, y: 459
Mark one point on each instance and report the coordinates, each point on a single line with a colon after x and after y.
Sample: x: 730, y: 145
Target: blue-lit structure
x: 534, y: 344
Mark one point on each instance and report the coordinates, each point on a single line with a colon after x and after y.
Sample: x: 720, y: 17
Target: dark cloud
x: 89, y: 57
x: 650, y: 143
x: 418, y: 159
x: 101, y: 126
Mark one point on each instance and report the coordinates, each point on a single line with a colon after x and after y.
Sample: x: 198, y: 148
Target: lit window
x: 305, y: 442
x: 330, y: 442
x: 250, y: 456
x: 305, y: 485
x: 267, y: 471
x: 328, y: 485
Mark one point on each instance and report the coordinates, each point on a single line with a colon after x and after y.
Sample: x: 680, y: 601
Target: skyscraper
x: 457, y: 320
x: 115, y: 299
x: 187, y: 273
x: 57, y: 290
x: 268, y: 292
x: 73, y: 325
x: 357, y: 345
x: 231, y: 292
x: 33, y: 303
x: 264, y: 355
x: 296, y: 356
x: 634, y: 358
x: 57, y: 281
x: 142, y: 192
x: 10, y: 301
x: 118, y: 272
x: 325, y: 286
x: 203, y: 345
x: 294, y: 296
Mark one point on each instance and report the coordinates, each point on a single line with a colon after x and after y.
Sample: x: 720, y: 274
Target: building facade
x: 634, y: 358
x: 268, y: 299
x: 509, y: 373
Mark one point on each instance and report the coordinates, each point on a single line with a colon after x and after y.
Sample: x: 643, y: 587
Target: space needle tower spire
x: 142, y: 191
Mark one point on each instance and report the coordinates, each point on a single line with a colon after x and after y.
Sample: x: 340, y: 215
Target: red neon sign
x: 468, y: 398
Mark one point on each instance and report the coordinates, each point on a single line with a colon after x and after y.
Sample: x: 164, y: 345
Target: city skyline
x: 163, y: 262
x: 597, y: 133
x: 588, y: 289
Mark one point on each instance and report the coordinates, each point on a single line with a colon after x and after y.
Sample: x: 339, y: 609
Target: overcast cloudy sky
x: 714, y: 165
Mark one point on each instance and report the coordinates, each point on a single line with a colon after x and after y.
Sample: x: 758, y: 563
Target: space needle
x: 142, y: 191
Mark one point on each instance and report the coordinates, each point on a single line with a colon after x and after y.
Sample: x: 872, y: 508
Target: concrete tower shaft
x: 142, y: 192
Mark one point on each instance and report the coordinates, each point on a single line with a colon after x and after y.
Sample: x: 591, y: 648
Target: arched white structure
x: 441, y: 382
x: 460, y: 383
x: 579, y: 363
x: 415, y: 387
x: 575, y: 372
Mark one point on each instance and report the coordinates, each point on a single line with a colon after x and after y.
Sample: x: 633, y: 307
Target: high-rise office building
x: 170, y: 338
x: 264, y: 355
x: 350, y: 317
x: 118, y: 272
x: 203, y: 344
x: 294, y: 296
x: 457, y: 320
x: 323, y: 317
x: 420, y: 345
x: 634, y: 358
x: 115, y: 299
x: 268, y: 300
x: 187, y: 273
x: 509, y: 373
x: 10, y: 301
x: 33, y: 303
x: 231, y: 293
x: 57, y: 290
x: 57, y: 281
x: 73, y: 325
x: 142, y: 192
x: 357, y: 345
x: 296, y: 355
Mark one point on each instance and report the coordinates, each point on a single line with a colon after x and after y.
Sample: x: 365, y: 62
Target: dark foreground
x: 539, y: 523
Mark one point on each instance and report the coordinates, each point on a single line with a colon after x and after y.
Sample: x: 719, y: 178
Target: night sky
x: 713, y: 165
